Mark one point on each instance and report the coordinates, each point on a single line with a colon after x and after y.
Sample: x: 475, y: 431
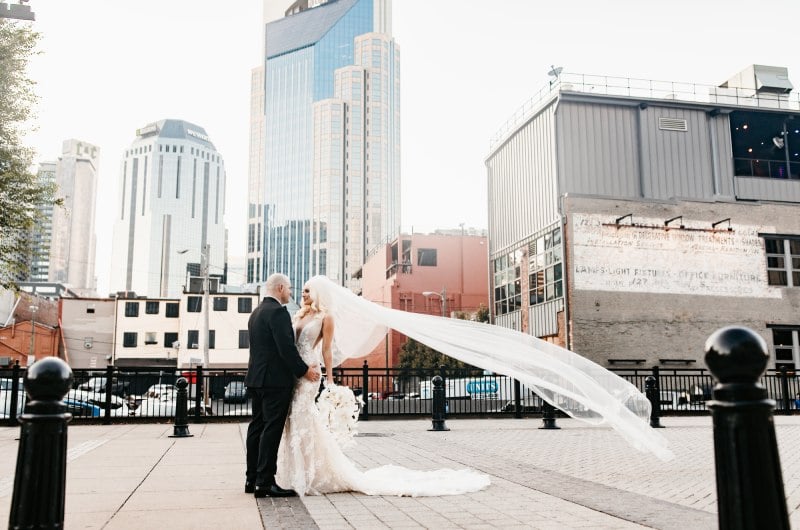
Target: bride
x: 310, y: 459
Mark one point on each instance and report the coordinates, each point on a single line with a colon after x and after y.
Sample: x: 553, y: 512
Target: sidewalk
x: 135, y: 476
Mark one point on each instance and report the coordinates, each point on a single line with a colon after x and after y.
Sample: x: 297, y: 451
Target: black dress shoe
x: 272, y: 490
x: 249, y: 486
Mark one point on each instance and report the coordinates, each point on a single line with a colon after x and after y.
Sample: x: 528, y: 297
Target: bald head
x: 279, y: 286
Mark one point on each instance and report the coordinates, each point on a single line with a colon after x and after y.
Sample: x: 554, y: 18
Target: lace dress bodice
x: 311, y: 461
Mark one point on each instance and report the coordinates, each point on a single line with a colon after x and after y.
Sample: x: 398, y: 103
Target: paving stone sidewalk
x: 135, y: 476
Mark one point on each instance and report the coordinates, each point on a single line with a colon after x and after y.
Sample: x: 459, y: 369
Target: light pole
x: 204, y: 259
x: 32, y: 354
x: 442, y: 296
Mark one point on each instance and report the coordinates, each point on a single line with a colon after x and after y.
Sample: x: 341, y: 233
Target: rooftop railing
x: 644, y: 89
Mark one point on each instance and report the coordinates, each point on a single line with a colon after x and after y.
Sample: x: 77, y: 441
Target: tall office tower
x: 41, y: 235
x: 327, y: 189
x: 171, y: 205
x: 72, y: 248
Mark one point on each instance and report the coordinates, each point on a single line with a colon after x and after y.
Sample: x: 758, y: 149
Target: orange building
x: 33, y: 329
x: 434, y: 274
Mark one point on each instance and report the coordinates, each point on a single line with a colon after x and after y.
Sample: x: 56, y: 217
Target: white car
x: 118, y: 404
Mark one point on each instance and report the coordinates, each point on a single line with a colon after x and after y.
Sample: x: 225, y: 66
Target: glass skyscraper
x: 325, y: 142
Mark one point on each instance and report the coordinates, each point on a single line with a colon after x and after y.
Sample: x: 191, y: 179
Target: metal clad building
x: 629, y: 219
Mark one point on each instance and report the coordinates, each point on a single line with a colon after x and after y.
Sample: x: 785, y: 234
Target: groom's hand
x: 312, y: 374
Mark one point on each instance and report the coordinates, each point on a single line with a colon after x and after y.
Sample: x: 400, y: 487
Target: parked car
x: 83, y: 409
x: 98, y: 399
x: 235, y: 392
x: 5, y: 398
x: 98, y: 384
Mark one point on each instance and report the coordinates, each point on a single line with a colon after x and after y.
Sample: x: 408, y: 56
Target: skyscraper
x: 42, y: 234
x: 171, y: 205
x: 72, y: 249
x: 325, y: 149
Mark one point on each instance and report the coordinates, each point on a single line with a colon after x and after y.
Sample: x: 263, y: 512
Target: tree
x: 20, y: 190
x: 415, y: 355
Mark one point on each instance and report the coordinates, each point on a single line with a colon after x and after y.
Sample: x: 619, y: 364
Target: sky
x: 108, y: 67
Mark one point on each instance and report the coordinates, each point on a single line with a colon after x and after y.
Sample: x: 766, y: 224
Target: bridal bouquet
x: 339, y: 408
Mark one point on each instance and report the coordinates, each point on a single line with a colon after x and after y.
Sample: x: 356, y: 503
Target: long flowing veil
x: 579, y: 387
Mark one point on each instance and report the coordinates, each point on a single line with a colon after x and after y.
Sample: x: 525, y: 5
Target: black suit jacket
x: 274, y: 359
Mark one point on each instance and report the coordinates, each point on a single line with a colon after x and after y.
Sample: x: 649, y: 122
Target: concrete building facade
x: 629, y: 219
x: 171, y: 206
x: 87, y: 331
x: 73, y: 241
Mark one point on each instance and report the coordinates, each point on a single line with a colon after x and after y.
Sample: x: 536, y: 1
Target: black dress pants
x: 270, y: 408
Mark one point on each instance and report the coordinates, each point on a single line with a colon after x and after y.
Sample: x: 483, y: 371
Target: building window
x: 192, y: 339
x: 150, y: 337
x: 151, y: 308
x: 194, y: 304
x: 507, y: 288
x: 172, y: 310
x: 786, y: 342
x: 129, y: 339
x: 426, y: 257
x: 545, y: 270
x: 245, y: 304
x: 212, y: 339
x: 169, y: 338
x: 90, y: 308
x: 244, y: 339
x: 220, y: 303
x: 783, y: 260
x: 131, y: 309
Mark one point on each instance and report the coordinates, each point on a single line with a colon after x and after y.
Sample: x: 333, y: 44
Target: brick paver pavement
x: 135, y: 476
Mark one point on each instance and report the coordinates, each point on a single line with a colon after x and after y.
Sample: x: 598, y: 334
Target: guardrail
x: 149, y: 394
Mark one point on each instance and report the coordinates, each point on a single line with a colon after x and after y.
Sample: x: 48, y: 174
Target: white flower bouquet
x: 339, y: 408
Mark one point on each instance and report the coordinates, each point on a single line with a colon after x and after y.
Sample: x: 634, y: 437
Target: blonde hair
x: 317, y: 305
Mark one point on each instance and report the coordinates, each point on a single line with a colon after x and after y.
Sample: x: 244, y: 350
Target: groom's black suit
x: 272, y: 370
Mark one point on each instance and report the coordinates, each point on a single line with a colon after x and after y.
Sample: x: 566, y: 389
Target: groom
x: 274, y: 366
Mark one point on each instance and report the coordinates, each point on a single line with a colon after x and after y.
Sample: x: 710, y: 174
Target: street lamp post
x: 442, y: 296
x: 205, y: 253
x: 32, y: 353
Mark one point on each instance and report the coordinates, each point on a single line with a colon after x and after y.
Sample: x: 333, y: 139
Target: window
x: 245, y: 304
x: 426, y: 257
x: 151, y: 308
x: 244, y: 339
x: 172, y: 310
x: 90, y: 308
x: 212, y: 339
x: 786, y: 342
x: 220, y: 303
x: 129, y: 339
x: 194, y: 304
x: 545, y: 271
x: 131, y: 309
x: 783, y: 260
x: 169, y: 338
x: 192, y: 339
x: 150, y: 337
x: 507, y: 288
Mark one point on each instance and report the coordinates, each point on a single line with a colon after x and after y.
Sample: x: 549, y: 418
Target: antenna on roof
x: 554, y: 73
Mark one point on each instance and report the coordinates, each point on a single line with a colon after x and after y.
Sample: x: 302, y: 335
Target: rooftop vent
x: 762, y: 79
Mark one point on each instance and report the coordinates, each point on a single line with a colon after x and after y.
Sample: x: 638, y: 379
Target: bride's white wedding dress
x: 311, y: 461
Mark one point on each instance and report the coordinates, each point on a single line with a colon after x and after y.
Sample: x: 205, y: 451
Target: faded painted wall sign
x: 646, y: 258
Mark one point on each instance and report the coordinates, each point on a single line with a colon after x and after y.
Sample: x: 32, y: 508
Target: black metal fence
x: 127, y: 394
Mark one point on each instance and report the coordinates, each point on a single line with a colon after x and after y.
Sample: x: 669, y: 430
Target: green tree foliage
x: 20, y: 190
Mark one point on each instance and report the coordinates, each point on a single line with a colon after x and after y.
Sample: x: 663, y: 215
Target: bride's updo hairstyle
x: 318, y: 303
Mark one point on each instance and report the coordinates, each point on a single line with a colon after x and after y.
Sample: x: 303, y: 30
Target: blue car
x: 82, y: 409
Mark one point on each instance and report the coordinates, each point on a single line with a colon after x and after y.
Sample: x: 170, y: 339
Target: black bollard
x: 181, y: 427
x: 548, y: 416
x: 652, y: 392
x: 750, y: 491
x: 438, y: 405
x: 40, y: 478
